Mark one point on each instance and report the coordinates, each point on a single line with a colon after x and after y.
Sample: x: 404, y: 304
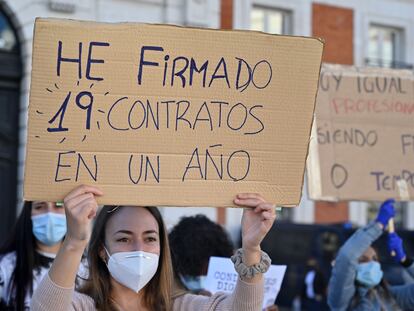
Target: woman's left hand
x: 258, y: 218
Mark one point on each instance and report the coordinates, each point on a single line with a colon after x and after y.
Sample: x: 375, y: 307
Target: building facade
x: 362, y: 33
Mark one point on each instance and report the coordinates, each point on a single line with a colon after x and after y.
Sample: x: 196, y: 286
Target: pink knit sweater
x: 246, y: 297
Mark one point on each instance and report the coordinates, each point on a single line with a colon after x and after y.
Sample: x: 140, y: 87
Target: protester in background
x: 357, y: 279
x: 29, y: 252
x: 193, y: 241
x: 313, y: 296
x: 130, y: 265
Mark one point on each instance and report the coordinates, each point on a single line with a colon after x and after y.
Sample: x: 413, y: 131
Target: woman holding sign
x: 129, y: 260
x: 357, y: 278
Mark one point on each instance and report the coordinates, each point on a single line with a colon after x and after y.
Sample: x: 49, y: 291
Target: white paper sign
x: 222, y: 277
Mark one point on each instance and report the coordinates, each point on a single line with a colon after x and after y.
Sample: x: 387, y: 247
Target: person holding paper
x: 313, y: 296
x: 357, y: 279
x: 193, y: 241
x: 28, y: 254
x: 129, y: 260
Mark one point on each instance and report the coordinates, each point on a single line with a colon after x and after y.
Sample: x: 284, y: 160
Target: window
x: 386, y: 47
x: 271, y: 20
x: 8, y: 40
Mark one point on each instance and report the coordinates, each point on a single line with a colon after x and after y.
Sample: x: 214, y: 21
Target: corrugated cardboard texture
x: 163, y: 115
x: 362, y: 145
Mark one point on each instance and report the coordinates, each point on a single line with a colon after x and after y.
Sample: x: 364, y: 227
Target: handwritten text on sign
x: 222, y: 277
x: 113, y: 106
x: 364, y: 135
x: 168, y: 114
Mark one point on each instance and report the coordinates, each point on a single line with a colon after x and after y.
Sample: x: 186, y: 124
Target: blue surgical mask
x: 194, y: 283
x: 49, y: 228
x: 369, y: 274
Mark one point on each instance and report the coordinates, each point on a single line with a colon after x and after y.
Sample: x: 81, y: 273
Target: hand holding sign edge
x: 80, y: 208
x: 258, y: 218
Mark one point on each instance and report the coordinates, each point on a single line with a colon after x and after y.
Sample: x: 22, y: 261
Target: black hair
x: 23, y: 243
x: 383, y: 292
x: 193, y: 241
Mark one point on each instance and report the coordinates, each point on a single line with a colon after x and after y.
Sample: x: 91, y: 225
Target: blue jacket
x: 342, y: 287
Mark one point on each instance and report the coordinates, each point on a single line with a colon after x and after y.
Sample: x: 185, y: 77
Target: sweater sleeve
x: 404, y: 295
x: 2, y: 282
x: 50, y: 296
x: 245, y: 297
x: 2, y: 278
x: 410, y: 269
x: 7, y: 266
x: 341, y: 287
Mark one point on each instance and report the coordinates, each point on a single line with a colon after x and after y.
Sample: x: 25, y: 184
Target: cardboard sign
x: 362, y: 145
x: 222, y: 277
x: 166, y: 115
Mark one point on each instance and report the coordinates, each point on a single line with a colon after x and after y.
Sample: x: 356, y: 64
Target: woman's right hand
x: 80, y: 208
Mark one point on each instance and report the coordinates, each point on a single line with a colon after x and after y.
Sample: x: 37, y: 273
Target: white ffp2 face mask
x: 133, y: 269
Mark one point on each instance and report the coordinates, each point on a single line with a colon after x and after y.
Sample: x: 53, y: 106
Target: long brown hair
x: 157, y: 293
x: 381, y: 290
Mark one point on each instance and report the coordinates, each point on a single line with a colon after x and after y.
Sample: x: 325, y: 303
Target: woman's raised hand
x: 80, y: 208
x: 258, y: 218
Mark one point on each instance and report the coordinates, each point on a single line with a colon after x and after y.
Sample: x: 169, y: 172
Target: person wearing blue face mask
x: 357, y: 282
x: 193, y: 240
x: 29, y: 252
x: 49, y: 228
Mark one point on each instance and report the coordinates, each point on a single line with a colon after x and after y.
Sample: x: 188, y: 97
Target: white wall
x: 172, y: 215
x: 305, y: 212
x: 409, y: 220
